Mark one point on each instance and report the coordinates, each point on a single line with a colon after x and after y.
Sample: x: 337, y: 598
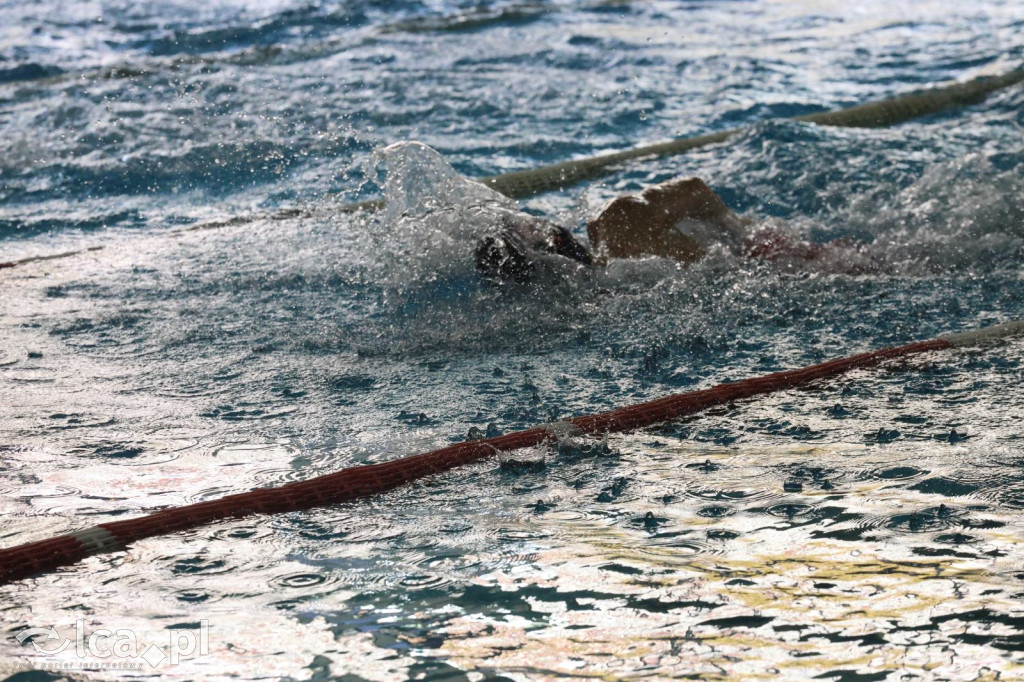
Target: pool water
x: 868, y: 527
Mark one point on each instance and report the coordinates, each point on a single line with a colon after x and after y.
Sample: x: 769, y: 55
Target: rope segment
x: 358, y: 482
x: 880, y: 114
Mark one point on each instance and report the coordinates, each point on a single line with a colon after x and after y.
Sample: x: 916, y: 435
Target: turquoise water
x: 867, y: 528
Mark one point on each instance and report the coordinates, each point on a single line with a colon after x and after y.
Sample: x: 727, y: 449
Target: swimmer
x: 679, y: 219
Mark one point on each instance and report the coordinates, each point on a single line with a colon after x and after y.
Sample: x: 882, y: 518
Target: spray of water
x: 958, y: 215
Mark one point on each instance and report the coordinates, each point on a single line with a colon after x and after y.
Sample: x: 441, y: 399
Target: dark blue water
x: 866, y: 528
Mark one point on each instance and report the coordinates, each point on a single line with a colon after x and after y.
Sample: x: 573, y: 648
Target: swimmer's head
x: 503, y: 258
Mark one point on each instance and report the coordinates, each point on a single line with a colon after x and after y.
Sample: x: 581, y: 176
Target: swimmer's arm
x: 632, y: 227
x: 628, y: 228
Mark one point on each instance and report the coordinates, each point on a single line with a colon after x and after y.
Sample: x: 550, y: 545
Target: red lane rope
x: 363, y: 481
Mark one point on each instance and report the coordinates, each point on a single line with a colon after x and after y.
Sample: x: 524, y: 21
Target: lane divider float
x: 357, y: 482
